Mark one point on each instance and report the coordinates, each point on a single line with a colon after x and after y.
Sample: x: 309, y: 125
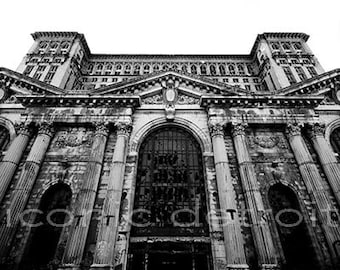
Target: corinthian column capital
x: 239, y: 129
x: 316, y: 129
x: 101, y: 128
x: 123, y: 128
x: 46, y: 128
x: 293, y: 129
x: 216, y: 129
x: 23, y: 128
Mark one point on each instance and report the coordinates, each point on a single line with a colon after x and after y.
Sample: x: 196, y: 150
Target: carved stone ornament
x: 216, y: 129
x: 170, y: 112
x: 266, y: 141
x: 46, y: 128
x: 156, y: 99
x: 73, y: 138
x: 239, y: 129
x: 123, y: 128
x: 23, y: 128
x: 184, y: 99
x: 101, y: 129
x: 170, y: 94
x: 336, y: 92
x: 293, y: 129
x: 316, y: 129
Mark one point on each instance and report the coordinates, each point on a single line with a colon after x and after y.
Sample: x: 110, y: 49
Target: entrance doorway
x: 169, y: 256
x: 170, y: 204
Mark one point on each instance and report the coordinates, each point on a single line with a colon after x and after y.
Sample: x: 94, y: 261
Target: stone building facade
x: 164, y: 161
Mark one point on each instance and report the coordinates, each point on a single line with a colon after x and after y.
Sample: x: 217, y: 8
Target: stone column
x: 24, y: 186
x: 267, y: 256
x: 75, y: 245
x: 326, y: 156
x: 11, y: 160
x: 233, y: 240
x: 107, y: 236
x: 313, y: 181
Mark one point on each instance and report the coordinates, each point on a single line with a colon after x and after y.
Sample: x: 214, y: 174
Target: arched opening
x: 51, y: 216
x: 294, y: 237
x: 335, y: 140
x: 169, y: 202
x: 4, y: 139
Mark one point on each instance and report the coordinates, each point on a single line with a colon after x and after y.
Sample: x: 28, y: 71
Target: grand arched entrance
x: 169, y: 222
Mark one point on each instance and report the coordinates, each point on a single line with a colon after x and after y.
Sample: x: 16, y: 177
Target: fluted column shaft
x: 75, y: 246
x: 328, y: 161
x: 24, y: 186
x: 11, y: 160
x: 104, y: 255
x: 313, y: 181
x: 262, y: 237
x: 233, y: 240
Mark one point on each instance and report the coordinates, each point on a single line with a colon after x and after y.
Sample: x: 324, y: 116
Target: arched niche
x: 293, y: 233
x: 51, y: 217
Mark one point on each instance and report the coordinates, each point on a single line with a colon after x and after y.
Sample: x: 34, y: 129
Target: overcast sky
x: 175, y: 27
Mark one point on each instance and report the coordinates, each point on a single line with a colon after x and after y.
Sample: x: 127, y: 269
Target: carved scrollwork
x: 293, y: 129
x: 239, y: 129
x: 156, y: 99
x: 73, y: 138
x: 216, y: 129
x: 183, y: 99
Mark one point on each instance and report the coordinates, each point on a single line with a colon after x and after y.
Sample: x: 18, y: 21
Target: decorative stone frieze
x: 239, y: 129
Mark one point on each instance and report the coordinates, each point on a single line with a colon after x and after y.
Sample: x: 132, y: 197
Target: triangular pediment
x: 187, y: 84
x: 20, y: 84
x: 319, y: 85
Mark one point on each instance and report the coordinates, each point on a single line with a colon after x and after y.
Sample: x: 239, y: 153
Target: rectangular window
x: 289, y: 75
x: 245, y: 80
x: 41, y: 68
x: 37, y: 76
x: 301, y: 73
x: 226, y: 80
x: 104, y: 79
x: 94, y: 79
x: 312, y: 71
x: 235, y: 80
x: 247, y: 86
x: 258, y: 87
x: 28, y: 70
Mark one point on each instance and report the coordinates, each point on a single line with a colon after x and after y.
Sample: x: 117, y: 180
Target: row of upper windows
x: 300, y: 73
x: 302, y: 61
x: 249, y: 87
x: 287, y: 46
x: 204, y: 69
x: 54, y: 45
x: 226, y: 80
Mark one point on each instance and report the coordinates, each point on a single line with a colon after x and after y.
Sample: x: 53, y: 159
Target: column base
x: 270, y: 267
x: 101, y: 267
x: 237, y: 266
x: 69, y: 267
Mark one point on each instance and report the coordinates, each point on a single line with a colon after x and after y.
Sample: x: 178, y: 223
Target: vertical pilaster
x: 233, y: 240
x: 313, y: 181
x: 104, y: 255
x: 24, y: 186
x: 73, y: 253
x: 267, y: 255
x: 11, y: 160
x: 326, y: 156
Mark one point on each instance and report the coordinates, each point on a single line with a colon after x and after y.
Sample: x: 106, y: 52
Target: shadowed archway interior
x: 296, y: 242
x: 45, y: 237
